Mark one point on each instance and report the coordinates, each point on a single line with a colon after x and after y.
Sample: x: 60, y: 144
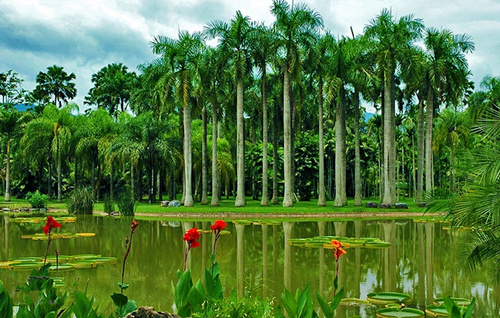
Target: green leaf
x: 289, y: 303
x: 327, y: 310
x: 452, y: 308
x: 119, y: 299
x: 123, y: 285
x: 196, y: 297
x: 468, y: 311
x: 213, y: 285
x: 129, y: 307
x: 336, y: 300
x: 182, y: 289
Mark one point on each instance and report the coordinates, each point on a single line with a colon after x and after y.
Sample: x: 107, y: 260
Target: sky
x: 83, y: 36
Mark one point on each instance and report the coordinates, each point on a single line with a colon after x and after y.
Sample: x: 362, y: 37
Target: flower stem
x: 125, y: 259
x: 47, y: 250
x: 186, y: 252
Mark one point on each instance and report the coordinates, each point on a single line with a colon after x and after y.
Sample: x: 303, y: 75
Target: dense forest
x: 273, y: 112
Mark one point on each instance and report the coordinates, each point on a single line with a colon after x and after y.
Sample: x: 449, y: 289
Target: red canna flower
x: 134, y: 225
x: 191, y: 237
x: 337, y: 249
x: 218, y: 226
x: 51, y: 223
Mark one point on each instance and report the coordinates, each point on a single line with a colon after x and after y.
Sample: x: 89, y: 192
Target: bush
x: 126, y: 203
x: 37, y: 200
x: 81, y: 201
x: 109, y: 205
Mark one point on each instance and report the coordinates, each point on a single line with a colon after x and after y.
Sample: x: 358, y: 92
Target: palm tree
x: 391, y: 44
x: 262, y: 51
x: 234, y: 40
x: 180, y: 55
x: 10, y: 127
x: 294, y: 28
x: 58, y: 83
x: 113, y: 85
x: 11, y: 87
x: 445, y: 72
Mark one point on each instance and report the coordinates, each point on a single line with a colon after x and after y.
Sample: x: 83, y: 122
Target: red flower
x: 134, y: 225
x: 51, y: 223
x: 218, y: 226
x: 191, y: 237
x: 337, y: 249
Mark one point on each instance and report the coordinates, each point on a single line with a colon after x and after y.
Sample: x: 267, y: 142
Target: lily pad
x: 460, y: 301
x: 84, y: 264
x: 405, y: 312
x: 43, y: 237
x: 85, y: 256
x: 347, y: 242
x: 26, y: 266
x: 102, y: 260
x: 61, y: 267
x: 384, y: 298
x: 436, y: 311
x: 353, y: 302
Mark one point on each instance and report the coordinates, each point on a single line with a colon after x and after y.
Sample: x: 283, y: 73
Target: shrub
x: 36, y: 199
x: 109, y: 205
x: 126, y: 203
x: 81, y: 201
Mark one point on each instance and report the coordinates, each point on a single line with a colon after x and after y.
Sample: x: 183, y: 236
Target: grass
x: 252, y: 206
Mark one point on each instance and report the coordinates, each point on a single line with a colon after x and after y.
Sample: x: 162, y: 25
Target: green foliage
x: 37, y: 200
x: 233, y: 307
x: 123, y: 305
x: 50, y: 303
x: 329, y: 309
x: 126, y: 203
x: 6, y: 303
x: 109, y: 205
x: 300, y: 306
x: 83, y: 306
x: 81, y: 201
x: 457, y: 312
x: 306, y: 164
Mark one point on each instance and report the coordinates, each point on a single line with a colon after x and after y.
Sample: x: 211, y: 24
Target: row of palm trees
x: 307, y: 76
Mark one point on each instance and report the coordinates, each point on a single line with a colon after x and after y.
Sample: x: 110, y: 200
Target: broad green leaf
x: 336, y: 300
x: 327, y: 310
x: 119, y: 299
x: 468, y: 311
x: 129, y: 307
x: 182, y: 289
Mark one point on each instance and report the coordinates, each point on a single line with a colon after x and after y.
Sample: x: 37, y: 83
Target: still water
x: 423, y: 261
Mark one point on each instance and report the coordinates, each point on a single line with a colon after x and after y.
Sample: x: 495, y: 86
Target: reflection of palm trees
x: 240, y: 239
x: 322, y: 232
x: 357, y: 264
x: 6, y: 236
x: 186, y: 226
x: 429, y: 271
x: 288, y: 227
x: 421, y: 262
x: 390, y: 261
x: 340, y: 230
x: 265, y: 278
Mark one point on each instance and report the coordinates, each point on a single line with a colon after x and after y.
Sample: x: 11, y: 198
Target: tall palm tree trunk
x: 428, y: 142
x: 321, y: 185
x: 215, y: 169
x: 7, y: 174
x: 111, y: 182
x: 240, y: 147
x: 387, y: 162
x: 420, y: 152
x: 287, y: 199
x: 275, y: 199
x: 188, y: 200
x: 340, y: 149
x: 265, y: 164
x: 357, y: 153
x: 204, y: 171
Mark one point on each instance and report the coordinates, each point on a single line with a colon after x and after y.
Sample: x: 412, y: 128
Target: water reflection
x: 256, y: 259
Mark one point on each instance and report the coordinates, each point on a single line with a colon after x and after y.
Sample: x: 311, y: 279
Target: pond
x: 423, y: 260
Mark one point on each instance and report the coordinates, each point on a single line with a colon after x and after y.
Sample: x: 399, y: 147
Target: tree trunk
x: 340, y: 186
x: 111, y: 183
x: 265, y: 164
x: 420, y: 152
x: 49, y: 179
x: 275, y: 199
x: 215, y: 169
x: 93, y: 177
x: 159, y: 183
x: 321, y: 186
x: 132, y: 181
x: 7, y: 174
x: 188, y: 200
x: 204, y: 171
x: 357, y: 153
x: 240, y: 147
x: 428, y: 141
x: 389, y: 141
x: 287, y: 198
x: 59, y: 172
